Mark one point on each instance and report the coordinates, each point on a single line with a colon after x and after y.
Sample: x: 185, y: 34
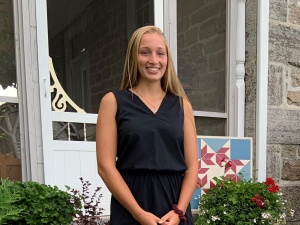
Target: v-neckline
x: 146, y: 106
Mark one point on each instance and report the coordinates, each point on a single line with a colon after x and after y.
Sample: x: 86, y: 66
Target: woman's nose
x: 153, y: 58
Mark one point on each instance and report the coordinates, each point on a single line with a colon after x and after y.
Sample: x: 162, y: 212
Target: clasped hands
x: 171, y: 218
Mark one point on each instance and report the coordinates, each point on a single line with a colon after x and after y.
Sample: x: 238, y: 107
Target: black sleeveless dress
x: 150, y: 155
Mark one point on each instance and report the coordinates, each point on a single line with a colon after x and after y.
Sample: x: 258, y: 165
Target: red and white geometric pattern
x: 211, y: 164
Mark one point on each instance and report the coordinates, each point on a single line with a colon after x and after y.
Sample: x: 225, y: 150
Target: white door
x: 83, y: 43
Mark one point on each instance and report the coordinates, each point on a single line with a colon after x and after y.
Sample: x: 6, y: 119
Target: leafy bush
x: 8, y: 199
x: 38, y: 204
x: 243, y: 202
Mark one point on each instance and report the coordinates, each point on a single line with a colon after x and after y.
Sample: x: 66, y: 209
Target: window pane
x: 88, y: 41
x: 7, y: 50
x: 201, y: 41
x: 10, y: 148
x: 210, y: 126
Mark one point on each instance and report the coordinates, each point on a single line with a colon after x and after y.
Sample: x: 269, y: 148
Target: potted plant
x: 243, y: 202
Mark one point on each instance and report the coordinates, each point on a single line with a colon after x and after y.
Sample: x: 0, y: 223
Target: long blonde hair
x: 170, y: 81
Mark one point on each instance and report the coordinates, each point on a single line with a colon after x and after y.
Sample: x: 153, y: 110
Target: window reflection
x: 10, y: 150
x: 87, y: 44
x: 201, y: 40
x: 210, y: 126
x: 7, y: 50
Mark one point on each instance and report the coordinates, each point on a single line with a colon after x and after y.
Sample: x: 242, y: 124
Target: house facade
x: 238, y: 61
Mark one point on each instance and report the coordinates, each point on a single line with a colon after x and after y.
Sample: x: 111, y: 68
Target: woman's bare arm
x: 106, y: 149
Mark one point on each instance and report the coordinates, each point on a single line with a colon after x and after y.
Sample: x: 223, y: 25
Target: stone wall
x: 284, y: 99
x: 283, y: 137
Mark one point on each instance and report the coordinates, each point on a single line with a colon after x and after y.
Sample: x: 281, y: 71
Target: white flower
x: 254, y: 220
x: 214, y: 218
x: 207, y: 221
x: 225, y: 213
x: 265, y: 215
x: 282, y: 216
x: 292, y: 212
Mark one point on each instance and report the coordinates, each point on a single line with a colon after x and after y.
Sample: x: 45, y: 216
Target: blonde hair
x: 170, y: 81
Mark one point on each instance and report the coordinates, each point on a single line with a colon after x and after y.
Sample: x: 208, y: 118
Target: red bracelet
x: 179, y: 212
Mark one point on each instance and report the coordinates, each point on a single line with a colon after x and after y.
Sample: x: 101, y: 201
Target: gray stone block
x: 293, y: 98
x: 275, y: 92
x: 295, y: 77
x: 251, y: 30
x: 250, y: 117
x: 250, y: 82
x: 294, y: 12
x: 284, y: 43
x: 283, y: 126
x: 291, y: 170
x: 273, y: 162
x: 278, y: 10
x: 290, y: 151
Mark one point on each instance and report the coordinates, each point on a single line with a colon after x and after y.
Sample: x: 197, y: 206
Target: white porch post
x: 240, y: 70
x: 25, y: 23
x: 262, y: 88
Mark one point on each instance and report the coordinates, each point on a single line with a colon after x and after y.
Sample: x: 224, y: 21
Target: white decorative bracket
x: 61, y: 98
x: 59, y: 103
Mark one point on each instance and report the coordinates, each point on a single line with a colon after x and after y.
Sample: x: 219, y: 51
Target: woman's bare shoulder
x: 108, y: 97
x: 108, y: 101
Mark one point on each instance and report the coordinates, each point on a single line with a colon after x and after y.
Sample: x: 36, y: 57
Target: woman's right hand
x: 147, y: 218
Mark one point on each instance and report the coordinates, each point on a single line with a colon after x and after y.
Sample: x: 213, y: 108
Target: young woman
x: 146, y: 138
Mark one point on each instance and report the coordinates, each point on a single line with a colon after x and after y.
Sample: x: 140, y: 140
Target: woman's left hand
x: 171, y: 218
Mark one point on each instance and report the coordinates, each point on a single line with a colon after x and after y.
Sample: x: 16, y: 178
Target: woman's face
x: 152, y: 57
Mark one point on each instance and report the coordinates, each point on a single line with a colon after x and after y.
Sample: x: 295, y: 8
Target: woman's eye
x: 144, y: 52
x: 161, y: 53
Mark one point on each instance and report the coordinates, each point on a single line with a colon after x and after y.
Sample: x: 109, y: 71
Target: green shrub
x: 8, y: 199
x: 40, y: 204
